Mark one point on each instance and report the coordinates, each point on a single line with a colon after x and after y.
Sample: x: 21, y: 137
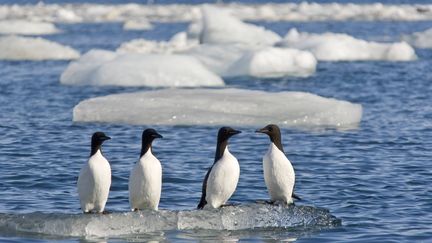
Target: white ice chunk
x: 98, y: 67
x: 420, y: 39
x: 177, y: 43
x: 219, y: 58
x: 242, y: 217
x: 229, y: 60
x: 25, y: 27
x: 343, y: 47
x: 28, y: 48
x: 137, y: 24
x: 67, y: 15
x: 219, y: 27
x: 194, y: 30
x: 216, y: 107
x: 274, y: 62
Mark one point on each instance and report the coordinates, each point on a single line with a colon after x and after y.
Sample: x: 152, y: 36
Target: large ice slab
x: 36, y: 49
x: 219, y: 27
x: 99, y: 67
x: 242, y: 217
x: 216, y: 107
x: 343, y: 47
x: 303, y: 11
x: 24, y: 27
x: 420, y: 39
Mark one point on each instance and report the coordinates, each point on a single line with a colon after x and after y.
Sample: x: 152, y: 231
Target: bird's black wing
x: 295, y: 196
x: 203, y: 201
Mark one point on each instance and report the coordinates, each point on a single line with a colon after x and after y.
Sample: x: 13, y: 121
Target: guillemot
x: 94, y: 180
x: 279, y: 175
x: 222, y: 177
x: 145, y: 180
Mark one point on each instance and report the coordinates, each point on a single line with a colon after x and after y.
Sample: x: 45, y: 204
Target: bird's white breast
x: 145, y: 183
x: 222, y: 180
x: 279, y: 175
x: 94, y: 183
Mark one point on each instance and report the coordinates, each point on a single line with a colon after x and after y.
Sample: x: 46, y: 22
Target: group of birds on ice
x: 220, y: 182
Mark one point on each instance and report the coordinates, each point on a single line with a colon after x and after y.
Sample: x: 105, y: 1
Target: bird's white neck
x: 148, y: 153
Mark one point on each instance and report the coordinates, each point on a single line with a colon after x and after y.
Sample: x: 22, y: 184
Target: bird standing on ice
x: 145, y: 181
x: 221, y: 179
x: 279, y: 174
x: 94, y: 180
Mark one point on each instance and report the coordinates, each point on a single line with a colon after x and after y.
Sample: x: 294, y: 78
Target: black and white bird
x: 145, y: 181
x: 221, y: 179
x: 94, y: 180
x: 279, y: 173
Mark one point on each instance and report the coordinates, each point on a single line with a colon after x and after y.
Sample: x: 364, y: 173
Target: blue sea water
x: 376, y: 178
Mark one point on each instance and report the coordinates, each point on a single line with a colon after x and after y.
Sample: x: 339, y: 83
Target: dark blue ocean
x: 377, y: 179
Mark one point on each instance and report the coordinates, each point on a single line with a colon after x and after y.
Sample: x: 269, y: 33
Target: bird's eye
x: 270, y: 129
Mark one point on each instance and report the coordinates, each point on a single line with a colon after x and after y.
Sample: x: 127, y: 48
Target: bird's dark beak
x: 105, y: 138
x: 262, y: 130
x: 234, y: 132
x: 157, y: 135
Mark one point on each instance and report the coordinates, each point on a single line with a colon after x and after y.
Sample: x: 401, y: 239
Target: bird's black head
x: 97, y: 139
x: 148, y: 136
x: 274, y: 133
x: 225, y: 133
x: 271, y: 130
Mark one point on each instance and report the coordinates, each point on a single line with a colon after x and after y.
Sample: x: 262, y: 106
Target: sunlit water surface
x: 376, y: 178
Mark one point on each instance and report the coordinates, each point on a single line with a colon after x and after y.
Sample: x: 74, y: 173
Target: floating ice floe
x: 28, y: 48
x: 228, y: 60
x: 343, y: 47
x: 231, y: 48
x: 242, y: 217
x: 179, y: 42
x: 137, y: 24
x: 219, y: 27
x: 420, y: 39
x: 232, y: 59
x: 274, y: 62
x: 99, y: 67
x: 216, y: 107
x: 304, y: 11
x: 219, y: 58
x: 25, y: 27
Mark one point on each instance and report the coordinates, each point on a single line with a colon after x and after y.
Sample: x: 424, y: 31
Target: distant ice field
x: 374, y: 177
x: 273, y: 12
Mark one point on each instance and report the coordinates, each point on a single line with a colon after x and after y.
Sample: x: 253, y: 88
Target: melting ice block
x: 179, y: 42
x: 342, y: 47
x: 220, y: 27
x: 219, y: 58
x: 25, y: 27
x: 274, y: 62
x: 420, y: 39
x: 242, y: 217
x: 216, y: 107
x: 28, y: 48
x: 230, y: 60
x: 99, y: 67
